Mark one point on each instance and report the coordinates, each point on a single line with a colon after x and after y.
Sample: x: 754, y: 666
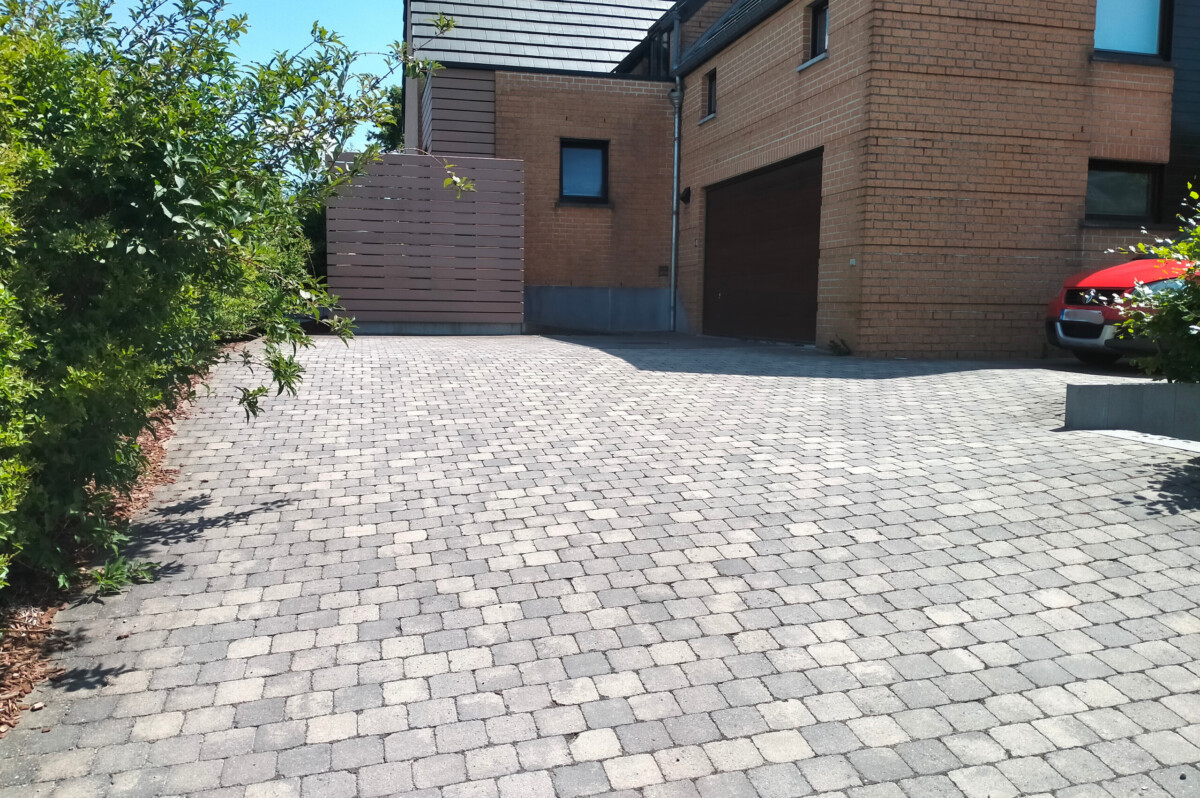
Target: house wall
x: 768, y: 112
x: 584, y: 251
x: 978, y: 168
x: 956, y: 142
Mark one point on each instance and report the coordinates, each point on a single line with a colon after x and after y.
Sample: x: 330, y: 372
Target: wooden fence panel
x: 403, y: 249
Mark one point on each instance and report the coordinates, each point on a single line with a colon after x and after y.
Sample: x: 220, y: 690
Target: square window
x: 819, y: 29
x: 1122, y: 191
x: 1132, y: 26
x: 710, y: 82
x: 583, y: 170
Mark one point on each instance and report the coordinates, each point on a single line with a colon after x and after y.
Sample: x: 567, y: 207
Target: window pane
x: 1119, y: 194
x: 1128, y: 26
x: 820, y: 30
x: 582, y: 172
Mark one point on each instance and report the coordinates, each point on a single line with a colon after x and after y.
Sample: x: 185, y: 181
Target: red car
x: 1082, y: 317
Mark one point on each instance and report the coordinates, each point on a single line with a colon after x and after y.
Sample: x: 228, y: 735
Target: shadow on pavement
x: 666, y: 352
x: 73, y: 680
x: 1174, y: 488
x: 185, y: 522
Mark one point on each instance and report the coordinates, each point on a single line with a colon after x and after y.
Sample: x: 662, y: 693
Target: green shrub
x: 152, y: 192
x: 16, y: 393
x: 1168, y: 311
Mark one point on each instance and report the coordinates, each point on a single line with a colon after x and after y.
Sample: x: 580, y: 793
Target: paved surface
x: 525, y: 567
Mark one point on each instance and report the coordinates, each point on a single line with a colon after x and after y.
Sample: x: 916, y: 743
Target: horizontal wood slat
x: 393, y: 198
x: 391, y: 281
x: 444, y: 303
x: 471, y: 317
x: 429, y: 261
x: 430, y: 234
x: 415, y: 206
x: 497, y: 172
x: 467, y: 115
x: 403, y: 248
x: 486, y: 223
x: 443, y: 296
x: 464, y: 250
x: 486, y: 189
x: 448, y: 134
x: 355, y: 241
x: 453, y: 94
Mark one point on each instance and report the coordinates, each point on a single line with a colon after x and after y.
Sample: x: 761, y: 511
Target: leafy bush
x: 1168, y: 312
x: 16, y: 391
x: 390, y: 133
x: 152, y: 192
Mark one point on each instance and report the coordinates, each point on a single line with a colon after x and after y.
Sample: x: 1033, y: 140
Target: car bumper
x: 1103, y: 339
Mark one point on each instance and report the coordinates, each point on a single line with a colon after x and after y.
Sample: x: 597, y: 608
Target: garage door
x: 762, y: 246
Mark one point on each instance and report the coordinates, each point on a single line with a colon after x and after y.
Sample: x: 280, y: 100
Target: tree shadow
x: 186, y: 522
x: 151, y: 538
x: 160, y: 528
x: 73, y: 680
x: 1174, y: 488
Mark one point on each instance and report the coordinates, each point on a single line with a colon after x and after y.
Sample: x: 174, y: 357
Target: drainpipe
x: 676, y: 98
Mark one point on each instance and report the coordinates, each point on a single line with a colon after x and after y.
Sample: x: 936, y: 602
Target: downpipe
x: 675, y: 95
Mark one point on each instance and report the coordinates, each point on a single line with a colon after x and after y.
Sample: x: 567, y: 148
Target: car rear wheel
x: 1091, y: 357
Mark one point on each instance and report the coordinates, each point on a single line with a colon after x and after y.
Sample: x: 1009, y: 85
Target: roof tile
x: 576, y: 35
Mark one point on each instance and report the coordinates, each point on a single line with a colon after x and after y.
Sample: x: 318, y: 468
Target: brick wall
x: 767, y: 112
x: 1130, y: 115
x: 956, y: 139
x: 983, y: 117
x: 622, y: 245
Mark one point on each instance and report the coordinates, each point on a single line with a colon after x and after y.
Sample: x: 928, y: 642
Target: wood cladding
x: 461, y: 112
x: 403, y: 248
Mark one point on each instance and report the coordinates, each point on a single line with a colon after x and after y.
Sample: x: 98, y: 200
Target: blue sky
x: 365, y: 25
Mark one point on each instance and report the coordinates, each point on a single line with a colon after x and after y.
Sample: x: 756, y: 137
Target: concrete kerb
x: 1170, y: 409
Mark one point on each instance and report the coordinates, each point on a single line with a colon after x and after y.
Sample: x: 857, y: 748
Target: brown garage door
x: 762, y: 245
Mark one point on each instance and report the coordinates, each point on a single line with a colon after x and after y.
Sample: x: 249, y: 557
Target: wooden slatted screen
x: 405, y: 249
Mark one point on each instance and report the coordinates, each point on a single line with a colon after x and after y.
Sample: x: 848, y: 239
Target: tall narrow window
x: 1132, y: 26
x: 820, y: 29
x: 583, y: 170
x: 1122, y: 192
x: 710, y: 83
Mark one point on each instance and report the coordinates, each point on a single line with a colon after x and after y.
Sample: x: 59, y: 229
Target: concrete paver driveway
x: 524, y: 567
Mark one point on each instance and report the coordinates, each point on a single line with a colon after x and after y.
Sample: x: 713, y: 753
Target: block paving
x: 527, y: 567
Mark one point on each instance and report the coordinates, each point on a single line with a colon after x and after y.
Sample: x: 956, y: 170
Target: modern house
x: 911, y: 177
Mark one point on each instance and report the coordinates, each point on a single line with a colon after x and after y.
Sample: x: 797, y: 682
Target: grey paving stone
x: 879, y: 764
x: 928, y: 757
x: 525, y: 566
x: 587, y: 778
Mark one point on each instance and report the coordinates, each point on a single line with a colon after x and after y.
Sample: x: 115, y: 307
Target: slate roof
x: 565, y: 35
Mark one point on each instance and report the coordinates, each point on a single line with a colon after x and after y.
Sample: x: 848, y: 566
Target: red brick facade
x: 625, y: 243
x: 956, y: 144
x: 767, y: 113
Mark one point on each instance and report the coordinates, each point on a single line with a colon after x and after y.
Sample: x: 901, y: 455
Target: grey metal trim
x: 810, y: 62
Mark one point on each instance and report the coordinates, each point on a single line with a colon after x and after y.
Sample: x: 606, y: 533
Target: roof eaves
x: 735, y: 23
